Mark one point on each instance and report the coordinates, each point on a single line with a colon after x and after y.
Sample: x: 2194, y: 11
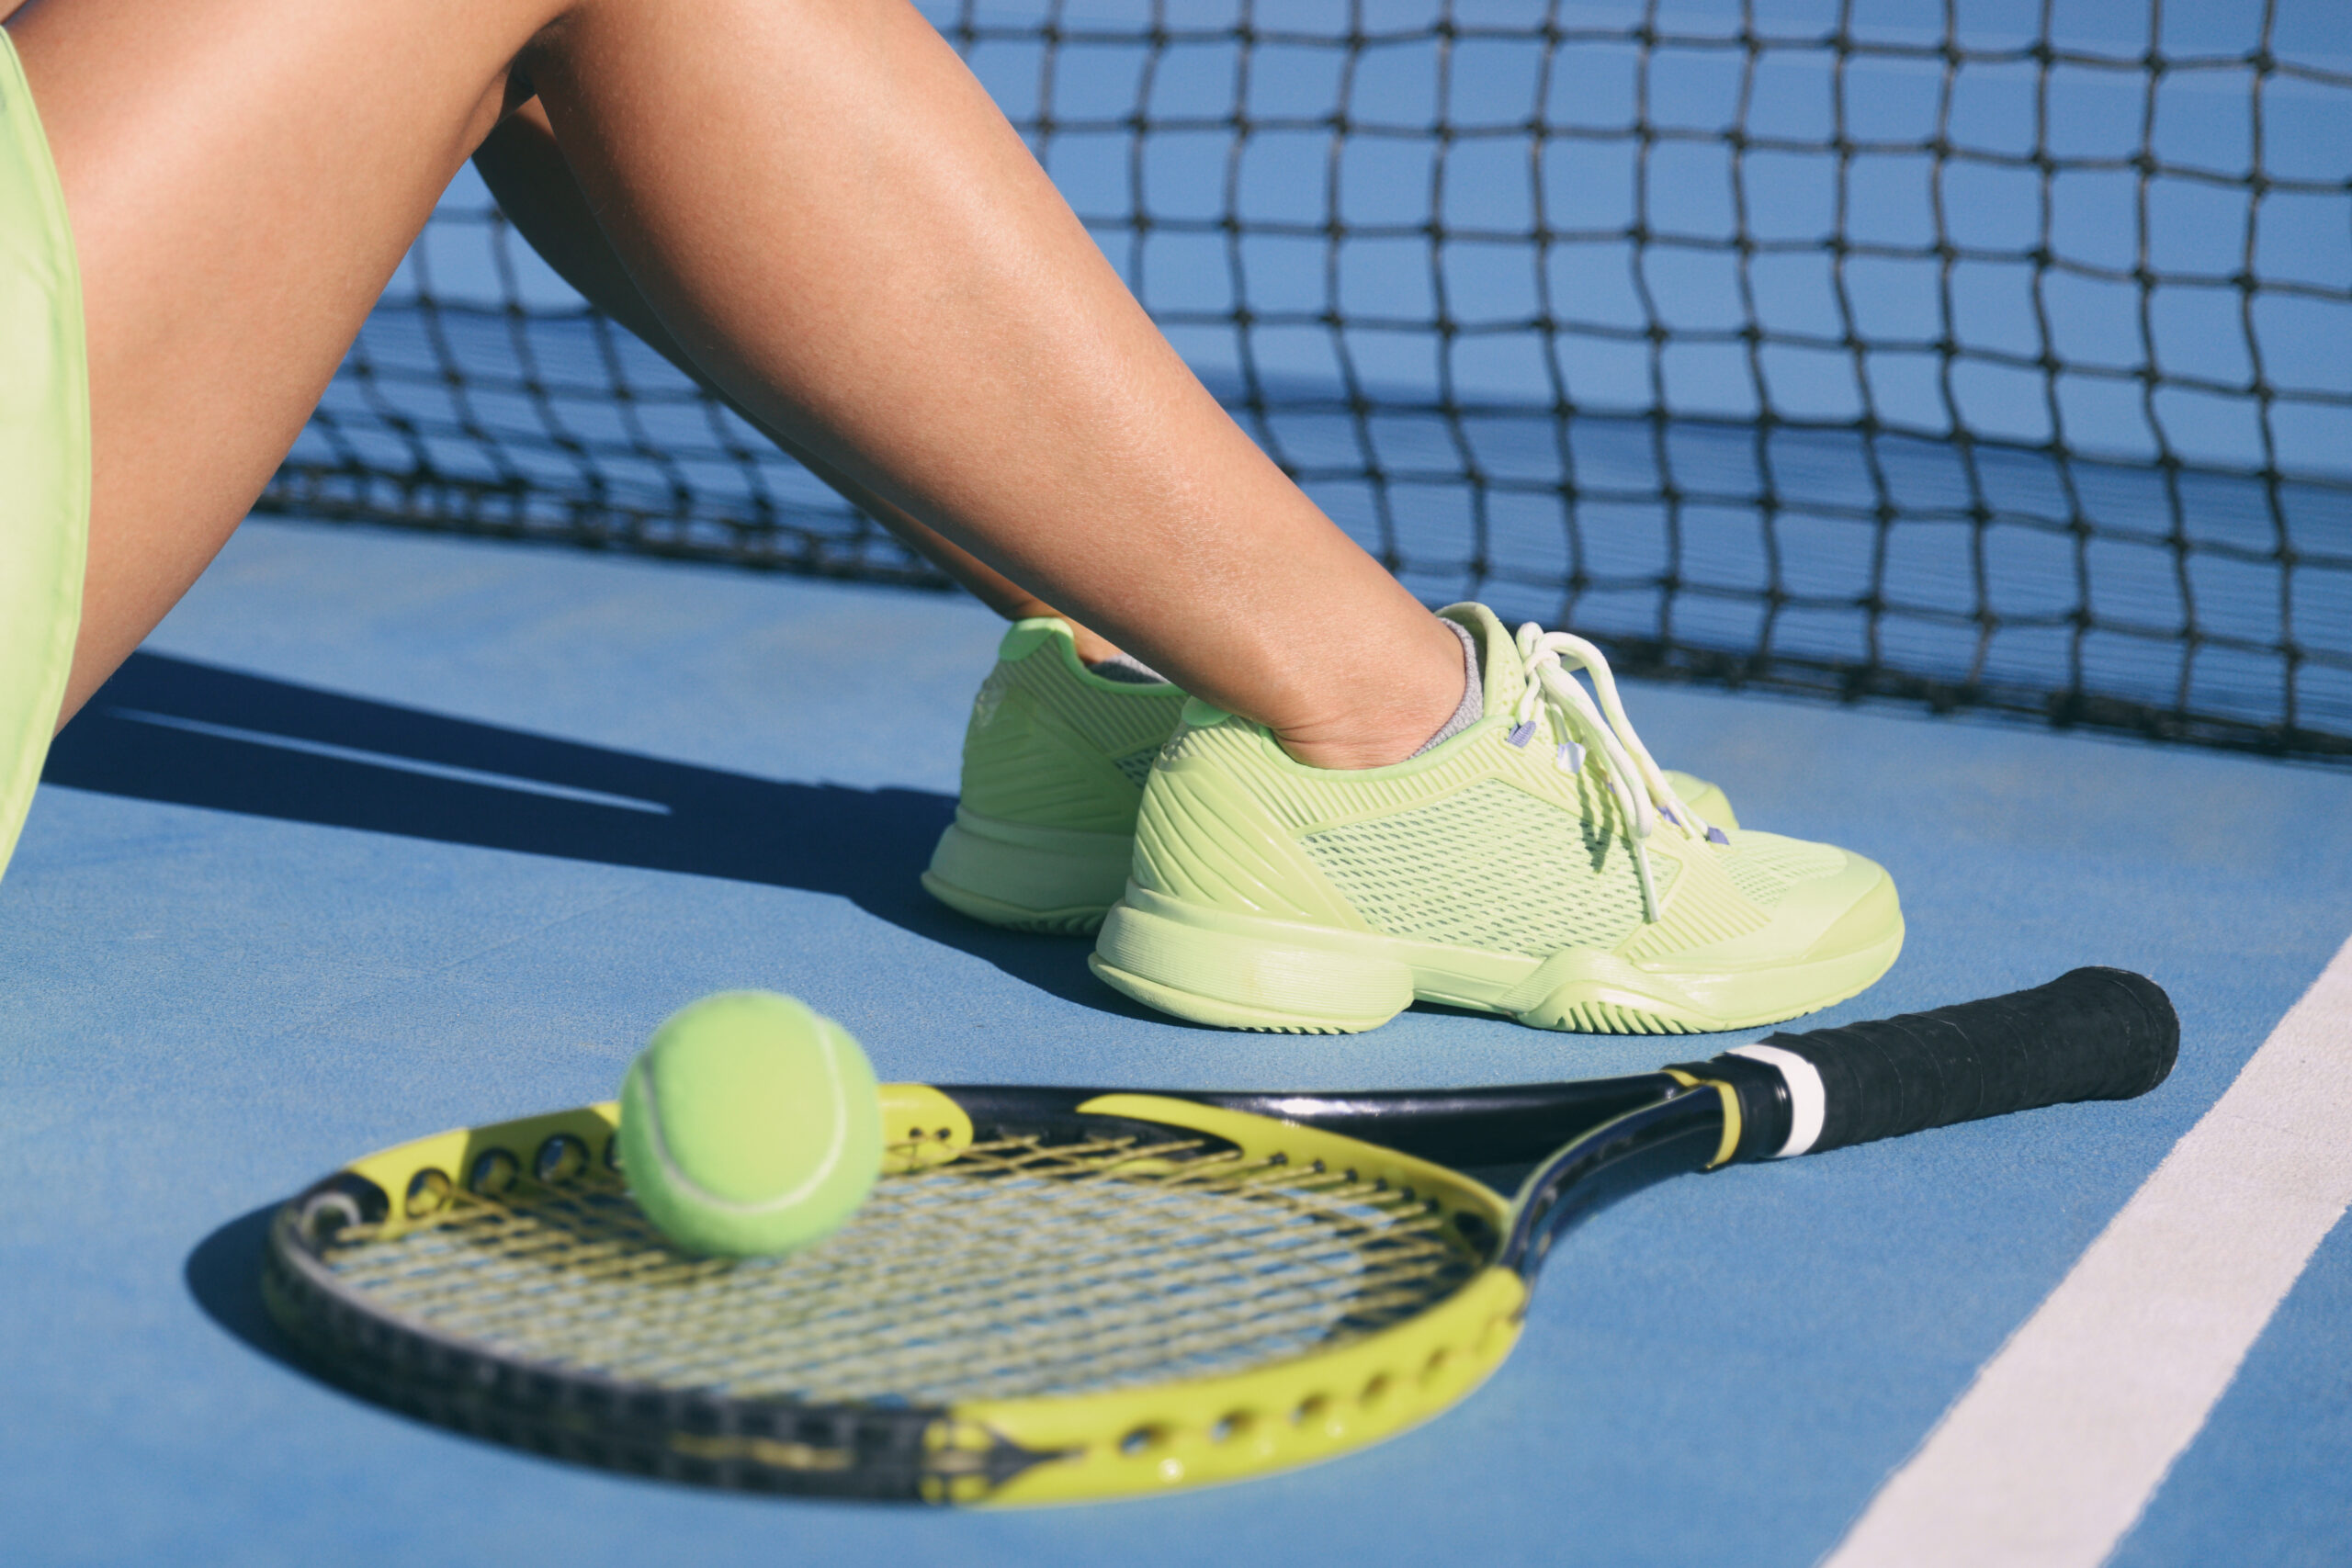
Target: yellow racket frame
x: 1124, y: 1442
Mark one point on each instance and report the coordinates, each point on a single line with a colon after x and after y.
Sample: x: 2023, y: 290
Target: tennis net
x: 1986, y: 353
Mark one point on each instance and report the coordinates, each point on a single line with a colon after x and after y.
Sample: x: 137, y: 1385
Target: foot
x: 1538, y: 863
x: 1054, y: 759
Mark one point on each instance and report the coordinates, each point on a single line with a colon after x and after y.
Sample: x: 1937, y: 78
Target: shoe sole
x: 1243, y: 972
x: 1026, y: 878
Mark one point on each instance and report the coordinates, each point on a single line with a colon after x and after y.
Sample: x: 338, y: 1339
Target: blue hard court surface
x: 369, y: 841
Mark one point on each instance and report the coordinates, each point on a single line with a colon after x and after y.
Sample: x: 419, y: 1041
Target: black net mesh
x: 1986, y: 352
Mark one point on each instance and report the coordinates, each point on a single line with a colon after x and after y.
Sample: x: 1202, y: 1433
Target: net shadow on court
x: 186, y: 733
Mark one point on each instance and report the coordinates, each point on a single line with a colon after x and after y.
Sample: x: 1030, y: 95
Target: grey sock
x: 1128, y: 668
x: 1473, y: 707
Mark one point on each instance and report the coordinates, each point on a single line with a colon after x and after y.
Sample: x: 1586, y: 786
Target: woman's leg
x: 526, y: 171
x: 828, y: 216
x: 823, y: 207
x: 240, y: 180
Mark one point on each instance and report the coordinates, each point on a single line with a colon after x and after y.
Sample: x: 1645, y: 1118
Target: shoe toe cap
x: 1835, y: 912
x: 1851, y: 910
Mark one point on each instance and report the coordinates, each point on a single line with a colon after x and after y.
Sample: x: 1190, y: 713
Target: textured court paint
x: 225, y: 967
x: 2065, y: 1434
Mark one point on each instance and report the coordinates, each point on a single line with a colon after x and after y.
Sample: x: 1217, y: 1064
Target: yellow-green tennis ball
x: 749, y: 1125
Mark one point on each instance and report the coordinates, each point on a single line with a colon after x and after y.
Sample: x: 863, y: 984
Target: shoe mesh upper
x: 1767, y: 865
x: 1490, y: 846
x: 1491, y: 867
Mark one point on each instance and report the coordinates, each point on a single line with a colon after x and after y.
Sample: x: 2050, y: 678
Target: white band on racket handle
x: 1806, y: 1101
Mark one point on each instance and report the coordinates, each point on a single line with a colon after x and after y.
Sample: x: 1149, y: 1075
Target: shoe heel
x: 1028, y: 878
x: 1257, y: 981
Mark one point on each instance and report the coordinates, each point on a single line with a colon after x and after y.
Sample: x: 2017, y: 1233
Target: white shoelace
x: 1633, y: 775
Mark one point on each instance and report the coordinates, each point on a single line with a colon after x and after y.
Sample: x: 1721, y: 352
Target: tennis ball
x: 750, y: 1124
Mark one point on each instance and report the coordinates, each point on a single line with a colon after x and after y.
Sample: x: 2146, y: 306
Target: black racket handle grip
x: 2090, y: 1034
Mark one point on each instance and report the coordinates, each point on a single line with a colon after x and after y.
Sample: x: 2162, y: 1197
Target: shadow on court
x: 192, y: 734
x: 224, y: 1277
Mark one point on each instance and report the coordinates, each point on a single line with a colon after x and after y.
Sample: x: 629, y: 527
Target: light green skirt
x: 44, y: 447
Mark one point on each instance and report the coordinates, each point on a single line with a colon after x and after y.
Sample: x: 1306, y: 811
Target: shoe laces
x: 1645, y: 800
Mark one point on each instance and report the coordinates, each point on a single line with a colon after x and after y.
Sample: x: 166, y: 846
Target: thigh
x: 240, y: 179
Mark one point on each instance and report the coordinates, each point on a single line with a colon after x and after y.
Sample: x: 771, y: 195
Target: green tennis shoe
x: 1054, y: 760
x: 1538, y: 863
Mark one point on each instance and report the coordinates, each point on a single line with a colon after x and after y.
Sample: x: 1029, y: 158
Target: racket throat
x: 1674, y: 1135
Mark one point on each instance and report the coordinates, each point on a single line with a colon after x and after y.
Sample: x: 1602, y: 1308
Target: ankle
x: 1093, y: 649
x: 1390, y: 712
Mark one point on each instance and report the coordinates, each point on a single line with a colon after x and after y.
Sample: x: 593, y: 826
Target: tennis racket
x: 1057, y: 1295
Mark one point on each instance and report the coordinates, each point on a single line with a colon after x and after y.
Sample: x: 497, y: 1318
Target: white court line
x: 387, y: 759
x: 2052, y: 1452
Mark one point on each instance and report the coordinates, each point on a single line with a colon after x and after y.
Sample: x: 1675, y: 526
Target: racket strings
x: 1052, y: 1301
x: 1021, y: 1268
